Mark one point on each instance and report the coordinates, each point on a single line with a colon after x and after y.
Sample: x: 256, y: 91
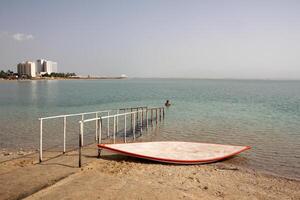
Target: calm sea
x: 262, y: 114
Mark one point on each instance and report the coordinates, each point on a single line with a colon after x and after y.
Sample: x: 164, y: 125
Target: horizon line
x: 201, y: 78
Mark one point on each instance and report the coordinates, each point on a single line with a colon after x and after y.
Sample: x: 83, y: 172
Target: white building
x: 49, y: 67
x: 38, y: 68
x: 27, y: 69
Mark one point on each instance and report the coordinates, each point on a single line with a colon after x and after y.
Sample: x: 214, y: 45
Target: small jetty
x: 123, y: 122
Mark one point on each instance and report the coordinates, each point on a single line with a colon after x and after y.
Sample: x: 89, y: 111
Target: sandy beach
x: 132, y: 179
x: 121, y: 177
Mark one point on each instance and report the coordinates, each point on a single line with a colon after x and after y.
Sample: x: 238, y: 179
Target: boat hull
x: 176, y: 152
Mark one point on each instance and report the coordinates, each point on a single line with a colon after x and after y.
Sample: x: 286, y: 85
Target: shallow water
x: 262, y: 114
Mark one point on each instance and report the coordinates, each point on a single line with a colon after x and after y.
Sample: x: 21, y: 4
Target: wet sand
x: 121, y: 177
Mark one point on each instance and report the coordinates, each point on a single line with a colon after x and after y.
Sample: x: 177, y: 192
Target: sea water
x: 258, y: 113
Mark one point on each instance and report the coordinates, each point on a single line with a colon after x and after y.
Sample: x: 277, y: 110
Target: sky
x: 254, y: 39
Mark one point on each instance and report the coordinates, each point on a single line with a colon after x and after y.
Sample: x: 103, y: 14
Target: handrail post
x: 163, y: 112
x: 100, y: 131
x: 114, y: 129
x: 141, y: 120
x: 65, y: 130
x: 125, y: 128
x: 82, y: 118
x: 97, y: 124
x: 159, y: 114
x: 118, y: 120
x: 151, y: 117
x: 41, y: 141
x: 146, y: 118
x: 156, y: 115
x: 108, y: 125
x: 133, y: 126
x: 131, y: 120
x: 80, y: 142
x: 137, y: 116
x: 142, y: 116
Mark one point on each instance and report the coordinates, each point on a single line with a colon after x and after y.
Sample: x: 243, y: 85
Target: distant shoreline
x: 73, y: 78
x: 147, y: 78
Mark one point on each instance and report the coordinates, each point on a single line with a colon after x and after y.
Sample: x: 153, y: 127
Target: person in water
x: 167, y: 104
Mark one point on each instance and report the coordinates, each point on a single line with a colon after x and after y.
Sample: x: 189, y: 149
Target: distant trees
x: 3, y: 74
x: 60, y: 75
x: 7, y: 74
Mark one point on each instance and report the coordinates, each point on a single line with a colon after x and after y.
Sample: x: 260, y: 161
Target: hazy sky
x: 196, y: 39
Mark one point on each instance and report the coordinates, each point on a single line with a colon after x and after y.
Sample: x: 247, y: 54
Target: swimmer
x: 167, y: 104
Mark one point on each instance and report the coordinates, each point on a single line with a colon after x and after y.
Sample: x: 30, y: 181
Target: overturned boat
x: 176, y: 152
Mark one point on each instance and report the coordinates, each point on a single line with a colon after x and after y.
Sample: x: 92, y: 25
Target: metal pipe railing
x: 64, y: 127
x: 115, y: 125
x: 74, y: 114
x: 136, y: 118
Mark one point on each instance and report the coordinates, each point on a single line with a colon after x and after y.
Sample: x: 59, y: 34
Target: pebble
x: 21, y: 153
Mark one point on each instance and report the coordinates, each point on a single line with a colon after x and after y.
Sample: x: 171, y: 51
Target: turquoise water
x: 262, y: 114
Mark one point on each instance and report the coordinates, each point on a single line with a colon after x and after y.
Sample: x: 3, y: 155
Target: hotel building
x: 27, y: 69
x: 38, y: 68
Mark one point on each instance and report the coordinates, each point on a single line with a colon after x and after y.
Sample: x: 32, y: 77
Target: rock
x: 219, y: 194
x: 21, y: 153
x: 223, y: 167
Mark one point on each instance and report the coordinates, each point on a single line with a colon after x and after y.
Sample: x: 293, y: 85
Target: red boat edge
x: 165, y: 160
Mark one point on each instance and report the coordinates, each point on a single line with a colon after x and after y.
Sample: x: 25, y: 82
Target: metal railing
x: 65, y: 127
x: 65, y: 116
x: 142, y: 111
